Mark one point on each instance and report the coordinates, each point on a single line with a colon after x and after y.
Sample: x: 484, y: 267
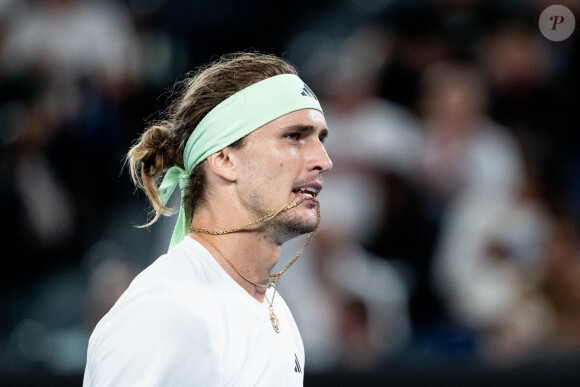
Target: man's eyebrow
x: 300, y: 128
x: 306, y: 128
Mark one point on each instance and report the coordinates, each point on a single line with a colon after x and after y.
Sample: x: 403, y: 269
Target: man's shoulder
x: 155, y: 293
x: 174, y: 284
x: 169, y: 311
x: 184, y: 269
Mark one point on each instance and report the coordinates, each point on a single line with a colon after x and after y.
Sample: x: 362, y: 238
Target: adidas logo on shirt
x: 297, y: 367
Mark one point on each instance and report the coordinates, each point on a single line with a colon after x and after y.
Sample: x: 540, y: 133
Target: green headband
x: 234, y: 118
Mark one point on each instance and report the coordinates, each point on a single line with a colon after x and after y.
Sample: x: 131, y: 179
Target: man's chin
x: 293, y: 228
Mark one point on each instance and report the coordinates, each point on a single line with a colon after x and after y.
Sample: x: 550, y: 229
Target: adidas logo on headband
x: 307, y: 92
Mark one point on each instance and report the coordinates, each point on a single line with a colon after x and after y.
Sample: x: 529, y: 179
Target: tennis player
x: 244, y: 142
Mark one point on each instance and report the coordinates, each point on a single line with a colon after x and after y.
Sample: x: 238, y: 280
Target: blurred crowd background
x: 450, y: 232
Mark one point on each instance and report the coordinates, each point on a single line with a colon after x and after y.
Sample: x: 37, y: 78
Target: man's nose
x: 319, y: 159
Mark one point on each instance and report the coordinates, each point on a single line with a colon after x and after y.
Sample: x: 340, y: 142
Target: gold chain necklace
x: 273, y: 318
x: 276, y: 276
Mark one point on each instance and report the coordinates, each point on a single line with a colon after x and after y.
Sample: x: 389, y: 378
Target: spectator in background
x: 464, y: 149
x: 375, y: 134
x: 465, y: 152
x: 493, y: 219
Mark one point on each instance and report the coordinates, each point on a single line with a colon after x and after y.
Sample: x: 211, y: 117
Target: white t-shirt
x: 185, y: 322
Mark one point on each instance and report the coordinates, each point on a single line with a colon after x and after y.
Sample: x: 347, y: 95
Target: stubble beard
x: 284, y: 226
x: 289, y: 225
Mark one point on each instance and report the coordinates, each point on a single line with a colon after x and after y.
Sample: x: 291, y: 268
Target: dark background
x: 79, y: 80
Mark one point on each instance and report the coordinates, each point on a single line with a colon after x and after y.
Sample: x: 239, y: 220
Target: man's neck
x: 251, y: 254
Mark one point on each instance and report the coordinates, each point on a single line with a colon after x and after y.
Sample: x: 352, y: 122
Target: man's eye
x: 293, y: 136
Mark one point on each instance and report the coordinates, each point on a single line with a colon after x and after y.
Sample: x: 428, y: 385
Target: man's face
x: 281, y: 161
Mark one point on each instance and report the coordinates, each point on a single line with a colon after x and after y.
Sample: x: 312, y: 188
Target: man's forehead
x: 305, y: 117
x: 300, y: 120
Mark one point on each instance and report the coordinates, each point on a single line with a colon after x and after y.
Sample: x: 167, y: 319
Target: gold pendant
x: 274, y: 320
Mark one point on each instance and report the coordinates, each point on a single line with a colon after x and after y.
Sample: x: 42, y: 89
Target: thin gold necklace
x: 276, y: 276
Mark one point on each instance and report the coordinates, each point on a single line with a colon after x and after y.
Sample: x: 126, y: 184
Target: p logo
x: 557, y: 23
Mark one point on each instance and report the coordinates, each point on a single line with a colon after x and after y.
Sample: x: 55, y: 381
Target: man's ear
x: 222, y: 164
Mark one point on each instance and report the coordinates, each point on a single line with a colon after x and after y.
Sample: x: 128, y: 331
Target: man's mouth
x: 308, y: 191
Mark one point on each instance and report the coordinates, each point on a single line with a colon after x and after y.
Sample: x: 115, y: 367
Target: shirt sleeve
x: 156, y: 341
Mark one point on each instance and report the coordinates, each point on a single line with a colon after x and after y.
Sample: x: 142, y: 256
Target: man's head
x: 162, y: 146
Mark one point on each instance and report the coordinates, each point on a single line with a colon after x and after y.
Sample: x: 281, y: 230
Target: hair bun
x: 149, y: 158
x: 156, y: 150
